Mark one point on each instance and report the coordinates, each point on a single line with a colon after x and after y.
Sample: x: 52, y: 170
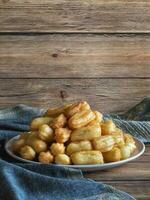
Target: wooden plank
x: 138, y: 189
x: 106, y: 95
x: 74, y: 55
x: 75, y: 16
x: 136, y: 171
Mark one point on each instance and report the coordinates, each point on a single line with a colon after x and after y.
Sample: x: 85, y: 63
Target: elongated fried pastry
x: 81, y: 119
x: 39, y: 121
x: 73, y: 147
x: 77, y: 107
x: 87, y: 157
x: 104, y: 143
x: 86, y: 133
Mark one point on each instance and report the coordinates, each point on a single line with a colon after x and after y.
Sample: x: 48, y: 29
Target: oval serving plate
x: 138, y: 152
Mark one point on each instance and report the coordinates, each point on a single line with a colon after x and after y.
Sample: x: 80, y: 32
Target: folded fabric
x: 21, y: 181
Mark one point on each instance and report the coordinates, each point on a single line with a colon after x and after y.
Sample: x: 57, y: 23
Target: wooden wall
x: 52, y: 52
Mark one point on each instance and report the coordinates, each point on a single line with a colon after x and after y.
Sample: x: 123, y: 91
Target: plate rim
x: 95, y: 166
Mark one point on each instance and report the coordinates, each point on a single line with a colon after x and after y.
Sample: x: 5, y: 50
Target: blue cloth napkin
x: 21, y: 181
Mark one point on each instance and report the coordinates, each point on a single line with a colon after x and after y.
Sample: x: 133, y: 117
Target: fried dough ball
x: 87, y: 157
x: 27, y: 152
x: 46, y: 133
x: 112, y: 155
x: 57, y: 148
x: 17, y: 144
x: 108, y: 127
x: 37, y: 122
x: 76, y: 107
x: 98, y: 116
x: 125, y: 152
x: 104, y: 143
x: 59, y: 122
x: 62, y: 135
x: 78, y: 146
x: 54, y: 112
x: 86, y: 133
x: 46, y: 157
x: 62, y: 159
x: 119, y: 140
x: 81, y: 119
x: 38, y: 145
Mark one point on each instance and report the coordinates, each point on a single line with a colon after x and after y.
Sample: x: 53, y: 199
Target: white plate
x: 138, y: 152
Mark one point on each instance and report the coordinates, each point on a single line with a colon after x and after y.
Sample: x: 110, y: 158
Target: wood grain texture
x: 138, y: 189
x: 75, y: 16
x: 106, y: 95
x: 74, y: 55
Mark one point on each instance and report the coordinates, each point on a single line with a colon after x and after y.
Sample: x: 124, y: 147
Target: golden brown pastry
x: 81, y: 119
x: 108, y: 127
x: 86, y: 133
x: 57, y: 148
x: 46, y: 157
x: 119, y: 140
x: 62, y: 135
x: 98, y: 116
x: 125, y: 152
x: 62, y: 159
x: 59, y: 122
x: 73, y: 147
x: 27, y: 152
x: 103, y: 143
x: 38, y: 145
x: 87, y: 157
x: 46, y: 133
x: 112, y: 155
x: 76, y: 107
x: 37, y: 122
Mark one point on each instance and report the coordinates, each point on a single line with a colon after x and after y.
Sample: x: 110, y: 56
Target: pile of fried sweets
x: 74, y: 134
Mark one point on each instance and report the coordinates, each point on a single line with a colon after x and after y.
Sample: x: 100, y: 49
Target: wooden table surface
x: 54, y: 52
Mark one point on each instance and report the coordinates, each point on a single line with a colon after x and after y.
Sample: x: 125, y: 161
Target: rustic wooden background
x: 52, y: 52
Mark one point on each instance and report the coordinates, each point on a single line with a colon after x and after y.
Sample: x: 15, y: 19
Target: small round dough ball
x: 27, y: 152
x: 18, y: 144
x: 62, y: 159
x: 57, y: 148
x: 46, y: 157
x: 39, y: 145
x: 62, y: 135
x: 46, y: 133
